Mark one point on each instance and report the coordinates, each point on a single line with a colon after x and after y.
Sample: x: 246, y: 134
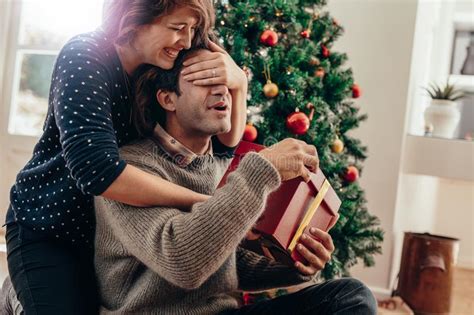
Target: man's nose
x: 220, y: 90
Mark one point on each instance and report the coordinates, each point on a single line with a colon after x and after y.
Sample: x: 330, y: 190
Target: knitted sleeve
x: 186, y: 248
x: 82, y: 90
x: 256, y: 272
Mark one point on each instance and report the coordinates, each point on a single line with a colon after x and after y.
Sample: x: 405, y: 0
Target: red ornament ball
x: 269, y: 38
x: 356, y: 91
x: 325, y: 51
x: 250, y: 133
x: 297, y: 123
x: 352, y: 174
x: 305, y: 33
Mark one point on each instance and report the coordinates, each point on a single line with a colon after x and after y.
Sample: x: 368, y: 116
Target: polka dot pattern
x: 77, y: 155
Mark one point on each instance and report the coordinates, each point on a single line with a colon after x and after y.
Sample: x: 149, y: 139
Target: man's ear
x: 167, y: 100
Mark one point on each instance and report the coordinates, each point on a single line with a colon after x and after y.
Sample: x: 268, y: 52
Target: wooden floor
x: 463, y: 288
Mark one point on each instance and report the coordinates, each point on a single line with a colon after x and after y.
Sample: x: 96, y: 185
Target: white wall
x: 454, y: 216
x: 431, y: 204
x: 394, y: 48
x: 379, y: 40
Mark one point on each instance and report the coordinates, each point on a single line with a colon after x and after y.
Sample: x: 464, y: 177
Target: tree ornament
x: 319, y: 72
x: 306, y: 33
x: 263, y: 52
x: 356, y: 91
x: 352, y: 174
x: 278, y: 13
x: 250, y: 133
x: 325, y: 51
x: 297, y: 122
x: 314, y: 61
x: 311, y: 108
x: 254, y: 114
x: 270, y: 89
x: 269, y: 38
x: 337, y: 146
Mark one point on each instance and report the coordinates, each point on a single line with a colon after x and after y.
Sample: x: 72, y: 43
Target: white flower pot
x: 444, y: 116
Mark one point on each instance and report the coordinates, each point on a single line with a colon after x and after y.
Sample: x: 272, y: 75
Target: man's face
x: 204, y: 110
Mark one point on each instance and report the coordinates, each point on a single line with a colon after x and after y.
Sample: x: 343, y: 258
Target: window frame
x: 14, y: 52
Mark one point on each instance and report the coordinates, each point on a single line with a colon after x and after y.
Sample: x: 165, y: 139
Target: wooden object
x: 426, y: 272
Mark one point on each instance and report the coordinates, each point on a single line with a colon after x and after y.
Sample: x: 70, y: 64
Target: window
x: 43, y: 28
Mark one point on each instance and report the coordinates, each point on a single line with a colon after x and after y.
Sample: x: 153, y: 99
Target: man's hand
x: 292, y: 158
x: 316, y: 248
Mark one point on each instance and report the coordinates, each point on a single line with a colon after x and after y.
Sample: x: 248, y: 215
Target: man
x: 166, y: 261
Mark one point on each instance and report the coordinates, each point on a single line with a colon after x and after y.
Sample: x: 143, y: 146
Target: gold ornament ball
x: 270, y: 89
x: 337, y: 146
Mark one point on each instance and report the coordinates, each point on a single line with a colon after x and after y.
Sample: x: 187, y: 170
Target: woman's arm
x: 141, y: 189
x: 82, y: 95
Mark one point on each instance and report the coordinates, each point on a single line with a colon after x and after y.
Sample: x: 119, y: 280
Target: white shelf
x: 446, y: 158
x: 464, y: 82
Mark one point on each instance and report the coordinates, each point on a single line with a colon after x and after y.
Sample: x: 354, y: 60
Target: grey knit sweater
x: 161, y: 260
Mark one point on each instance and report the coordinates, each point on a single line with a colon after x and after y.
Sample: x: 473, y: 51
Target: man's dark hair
x: 148, y: 79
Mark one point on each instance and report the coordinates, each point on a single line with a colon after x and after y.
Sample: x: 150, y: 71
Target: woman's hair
x: 148, y: 79
x: 122, y: 18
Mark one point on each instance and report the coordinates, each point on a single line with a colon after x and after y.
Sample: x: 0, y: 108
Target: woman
x: 50, y: 222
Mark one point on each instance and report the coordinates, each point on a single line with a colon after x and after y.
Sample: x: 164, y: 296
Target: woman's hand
x: 215, y: 68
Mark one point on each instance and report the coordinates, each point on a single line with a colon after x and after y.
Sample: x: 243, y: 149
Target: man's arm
x: 186, y: 248
x: 256, y: 272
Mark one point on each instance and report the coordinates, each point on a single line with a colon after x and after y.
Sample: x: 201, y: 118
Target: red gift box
x: 291, y: 210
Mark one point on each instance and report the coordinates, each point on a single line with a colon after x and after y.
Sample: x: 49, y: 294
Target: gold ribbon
x: 309, y: 214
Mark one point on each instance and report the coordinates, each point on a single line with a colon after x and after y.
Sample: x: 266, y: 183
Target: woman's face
x: 160, y: 43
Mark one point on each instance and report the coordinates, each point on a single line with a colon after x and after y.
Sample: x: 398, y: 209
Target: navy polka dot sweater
x: 77, y: 156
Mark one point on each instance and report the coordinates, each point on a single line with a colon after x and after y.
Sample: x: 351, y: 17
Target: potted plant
x: 443, y: 113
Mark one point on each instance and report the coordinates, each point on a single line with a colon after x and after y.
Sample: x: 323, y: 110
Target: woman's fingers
x: 211, y: 81
x: 216, y: 48
x: 209, y: 70
x: 188, y: 63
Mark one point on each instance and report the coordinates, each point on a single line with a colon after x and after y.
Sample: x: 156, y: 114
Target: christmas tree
x: 299, y: 88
